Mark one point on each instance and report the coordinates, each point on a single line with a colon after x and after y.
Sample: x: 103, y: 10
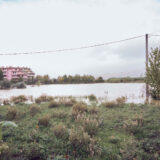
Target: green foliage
x: 1, y: 75
x: 34, y: 109
x: 153, y: 73
x: 19, y: 85
x: 5, y: 84
x: 11, y: 113
x: 92, y: 97
x: 60, y: 131
x: 125, y: 133
x: 126, y: 80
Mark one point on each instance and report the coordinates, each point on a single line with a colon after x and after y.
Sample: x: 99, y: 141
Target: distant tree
x: 1, y: 75
x: 100, y: 80
x: 153, y: 73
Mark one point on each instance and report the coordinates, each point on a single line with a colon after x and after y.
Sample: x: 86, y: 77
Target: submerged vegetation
x: 59, y: 128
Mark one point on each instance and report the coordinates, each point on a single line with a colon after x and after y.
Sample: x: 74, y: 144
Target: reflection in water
x: 135, y: 92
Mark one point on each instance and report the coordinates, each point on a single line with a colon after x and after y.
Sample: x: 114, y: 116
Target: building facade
x: 16, y: 73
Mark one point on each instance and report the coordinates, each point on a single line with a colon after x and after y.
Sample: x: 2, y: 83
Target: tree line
x: 66, y: 79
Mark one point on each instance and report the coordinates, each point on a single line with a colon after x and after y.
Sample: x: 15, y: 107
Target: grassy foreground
x: 109, y: 131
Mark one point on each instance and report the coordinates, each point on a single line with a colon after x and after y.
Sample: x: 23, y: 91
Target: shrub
x: 60, y: 131
x: 19, y: 99
x: 44, y: 121
x: 93, y: 110
x: 110, y: 104
x: 4, y: 149
x: 5, y: 84
x: 82, y: 143
x: 11, y: 113
x: 114, y: 140
x: 6, y: 102
x: 92, y: 97
x: 19, y: 85
x: 121, y: 100
x: 34, y: 109
x: 60, y: 114
x: 53, y: 104
x: 132, y: 125
x: 67, y: 102
x: 78, y: 108
x: 153, y: 70
x: 90, y: 126
x: 43, y: 98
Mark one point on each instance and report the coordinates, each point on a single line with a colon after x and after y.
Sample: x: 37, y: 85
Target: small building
x: 16, y: 73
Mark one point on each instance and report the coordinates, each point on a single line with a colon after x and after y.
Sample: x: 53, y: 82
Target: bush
x: 6, y: 102
x: 92, y: 97
x: 114, y: 139
x: 4, y: 149
x: 19, y: 85
x: 19, y: 99
x: 121, y: 100
x: 43, y: 98
x: 60, y: 131
x: 60, y: 114
x: 44, y: 121
x: 34, y: 109
x: 78, y: 109
x: 67, y: 102
x: 93, y: 110
x: 53, y: 104
x: 82, y: 143
x: 90, y: 126
x: 5, y: 84
x: 110, y: 104
x: 132, y: 125
x: 11, y: 114
x: 153, y: 72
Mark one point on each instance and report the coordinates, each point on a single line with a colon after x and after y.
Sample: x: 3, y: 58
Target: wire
x: 154, y: 35
x: 71, y: 49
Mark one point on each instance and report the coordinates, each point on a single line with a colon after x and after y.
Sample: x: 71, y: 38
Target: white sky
x: 37, y: 25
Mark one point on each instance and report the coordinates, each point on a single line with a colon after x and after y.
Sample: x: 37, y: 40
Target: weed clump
x: 59, y: 114
x: 43, y: 98
x: 121, y: 100
x: 53, y: 104
x: 67, y: 102
x: 44, y: 121
x: 60, y: 131
x: 90, y: 126
x: 19, y: 99
x: 11, y: 113
x: 110, y: 104
x: 92, y: 97
x: 82, y: 143
x: 93, y: 110
x: 79, y: 109
x: 34, y: 109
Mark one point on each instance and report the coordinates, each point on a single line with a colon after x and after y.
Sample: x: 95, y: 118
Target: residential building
x: 16, y: 73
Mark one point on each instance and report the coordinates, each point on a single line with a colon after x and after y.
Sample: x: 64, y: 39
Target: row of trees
x: 67, y: 79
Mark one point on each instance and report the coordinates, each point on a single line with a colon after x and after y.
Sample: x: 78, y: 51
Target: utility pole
x: 147, y: 86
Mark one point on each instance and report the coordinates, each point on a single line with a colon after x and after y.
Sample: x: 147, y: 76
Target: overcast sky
x: 37, y: 25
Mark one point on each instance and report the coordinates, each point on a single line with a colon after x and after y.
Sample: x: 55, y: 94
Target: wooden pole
x: 147, y: 86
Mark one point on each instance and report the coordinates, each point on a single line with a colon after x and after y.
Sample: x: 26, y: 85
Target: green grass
x: 125, y: 133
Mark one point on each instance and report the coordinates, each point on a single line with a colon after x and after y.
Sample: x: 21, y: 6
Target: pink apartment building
x: 14, y: 73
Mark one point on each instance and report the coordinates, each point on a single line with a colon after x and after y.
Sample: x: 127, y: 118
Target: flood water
x: 135, y: 92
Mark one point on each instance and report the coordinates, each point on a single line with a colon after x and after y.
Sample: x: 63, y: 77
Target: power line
x: 154, y: 35
x: 71, y: 49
